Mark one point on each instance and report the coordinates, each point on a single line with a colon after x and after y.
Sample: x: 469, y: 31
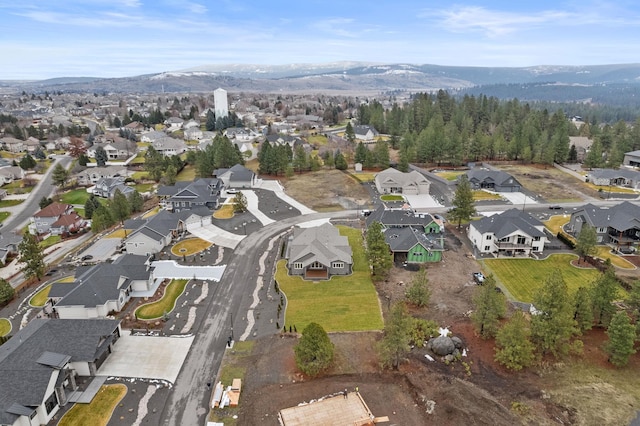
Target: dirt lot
x: 551, y: 184
x: 326, y: 190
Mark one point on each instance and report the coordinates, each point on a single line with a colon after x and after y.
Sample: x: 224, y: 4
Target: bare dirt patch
x: 326, y: 190
x: 551, y: 184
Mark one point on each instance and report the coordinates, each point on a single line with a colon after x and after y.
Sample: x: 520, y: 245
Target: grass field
x: 450, y: 175
x: 190, y: 246
x: 389, y: 197
x: 224, y: 212
x: 480, y: 195
x: 612, y: 189
x: 604, y: 252
x: 40, y: 298
x: 99, y: 411
x: 523, y: 277
x: 363, y: 176
x: 165, y: 305
x: 347, y: 303
x: 144, y: 187
x: 75, y: 196
x: 5, y: 327
x: 10, y: 203
x: 16, y: 187
x: 187, y: 174
x: 140, y: 175
x: 151, y: 213
x: 118, y: 233
x: 49, y: 241
x: 317, y: 139
x: 556, y: 222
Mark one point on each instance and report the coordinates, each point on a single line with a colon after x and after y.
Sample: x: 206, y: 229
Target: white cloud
x: 336, y: 26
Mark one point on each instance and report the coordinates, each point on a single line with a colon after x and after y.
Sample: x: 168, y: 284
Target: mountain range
x: 346, y: 77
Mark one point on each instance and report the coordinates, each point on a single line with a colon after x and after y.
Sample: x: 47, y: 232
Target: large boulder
x: 442, y: 345
x: 457, y: 341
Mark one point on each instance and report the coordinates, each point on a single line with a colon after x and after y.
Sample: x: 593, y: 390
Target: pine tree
x: 6, y: 292
x: 397, y: 334
x: 136, y: 202
x: 381, y: 154
x: 349, y: 133
x: 31, y: 254
x: 120, y: 207
x: 27, y: 162
x: 90, y: 206
x: 340, y: 161
x: 553, y: 326
x: 361, y: 153
x: 101, y: 156
x: 583, y: 310
x: 586, y: 242
x: 378, y: 251
x: 622, y: 336
x: 60, y: 175
x: 240, y: 203
x: 514, y: 349
x: 419, y: 292
x: 489, y: 307
x: 314, y: 352
x: 463, y: 201
x: 603, y: 294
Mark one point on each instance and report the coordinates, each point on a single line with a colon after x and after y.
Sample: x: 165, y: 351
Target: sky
x: 119, y: 38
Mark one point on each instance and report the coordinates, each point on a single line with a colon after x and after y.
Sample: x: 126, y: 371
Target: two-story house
x: 617, y: 226
x: 42, y: 221
x: 203, y: 192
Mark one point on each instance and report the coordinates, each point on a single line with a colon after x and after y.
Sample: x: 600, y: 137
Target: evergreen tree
x: 170, y: 175
x: 361, y: 153
x: 622, y: 336
x: 239, y: 203
x: 101, y: 219
x: 593, y: 158
x: 419, y: 292
x: 154, y: 163
x: 6, y: 292
x: 603, y: 294
x: 553, y: 326
x: 490, y: 306
x: 349, y: 133
x: 463, y: 201
x: 27, y: 162
x: 395, y: 341
x: 136, y: 202
x: 120, y: 207
x: 583, y: 310
x: 378, y: 251
x: 300, y: 162
x: 90, y: 206
x: 586, y: 242
x: 32, y: 256
x: 83, y: 160
x: 514, y: 349
x: 340, y: 161
x: 44, y: 202
x: 60, y: 175
x: 101, y: 156
x: 314, y: 352
x: 381, y: 154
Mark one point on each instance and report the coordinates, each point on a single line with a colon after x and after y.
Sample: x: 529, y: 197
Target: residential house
x: 510, y: 233
x: 631, y: 159
x: 193, y: 134
x: 10, y: 173
x: 107, y: 187
x: 279, y: 139
x: 42, y: 221
x: 174, y: 123
x: 40, y: 363
x: 237, y: 176
x: 240, y: 134
x: 116, y: 150
x: 9, y: 243
x: 412, y: 237
x: 104, y: 288
x: 319, y: 253
x: 13, y: 144
x: 582, y: 144
x: 152, y: 136
x: 493, y: 180
x: 67, y: 223
x: 32, y: 144
x: 135, y: 126
x: 157, y: 233
x: 202, y: 192
x: 169, y: 146
x: 392, y: 181
x: 91, y: 176
x: 617, y: 226
x: 365, y: 133
x: 609, y: 177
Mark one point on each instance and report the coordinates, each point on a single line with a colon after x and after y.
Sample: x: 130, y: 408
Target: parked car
x: 555, y: 207
x: 232, y: 191
x: 51, y: 272
x: 478, y: 277
x: 86, y: 257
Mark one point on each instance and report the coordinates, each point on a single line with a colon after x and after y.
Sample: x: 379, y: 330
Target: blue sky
x: 118, y: 38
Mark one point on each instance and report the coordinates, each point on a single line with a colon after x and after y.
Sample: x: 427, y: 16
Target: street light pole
x: 232, y: 326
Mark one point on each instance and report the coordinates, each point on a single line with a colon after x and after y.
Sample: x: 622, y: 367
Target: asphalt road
x: 232, y: 297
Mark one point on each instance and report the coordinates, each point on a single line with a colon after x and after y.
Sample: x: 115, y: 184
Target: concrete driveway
x: 102, y: 249
x: 147, y: 357
x: 216, y: 235
x: 171, y: 269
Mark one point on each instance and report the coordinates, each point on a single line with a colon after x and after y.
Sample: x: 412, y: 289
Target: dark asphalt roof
x: 621, y: 217
x: 398, y: 217
x: 403, y: 239
x: 508, y: 222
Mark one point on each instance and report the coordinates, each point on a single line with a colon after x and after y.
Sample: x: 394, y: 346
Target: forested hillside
x: 439, y: 129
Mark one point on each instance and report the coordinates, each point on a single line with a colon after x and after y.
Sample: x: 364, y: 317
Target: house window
x: 488, y: 237
x: 521, y: 240
x: 601, y: 230
x: 297, y: 265
x: 51, y: 403
x: 316, y: 265
x: 487, y: 248
x: 536, y: 238
x: 338, y: 265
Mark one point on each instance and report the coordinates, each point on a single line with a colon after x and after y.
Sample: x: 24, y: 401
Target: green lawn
x: 166, y: 304
x: 75, y: 196
x: 140, y: 175
x: 144, y: 187
x: 348, y: 303
x: 99, y: 411
x: 317, y: 139
x: 556, y: 222
x: 16, y: 187
x: 389, y: 197
x: 604, y: 252
x: 522, y: 277
x: 5, y: 327
x: 51, y: 240
x: 4, y: 216
x: 480, y: 195
x: 40, y: 298
x: 10, y: 203
x: 450, y: 175
x: 187, y: 174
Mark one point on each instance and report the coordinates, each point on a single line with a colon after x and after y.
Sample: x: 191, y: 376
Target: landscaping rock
x: 442, y: 345
x: 457, y: 342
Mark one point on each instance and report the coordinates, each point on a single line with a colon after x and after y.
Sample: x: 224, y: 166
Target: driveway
x: 147, y: 357
x: 171, y: 269
x: 216, y: 235
x: 421, y: 202
x: 517, y: 198
x: 102, y: 249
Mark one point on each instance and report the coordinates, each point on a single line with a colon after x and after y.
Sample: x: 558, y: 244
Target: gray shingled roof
x: 101, y: 283
x: 621, y: 217
x: 508, y: 222
x: 403, y: 239
x: 24, y: 378
x: 398, y: 217
x: 613, y: 174
x: 497, y: 176
x: 321, y: 243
